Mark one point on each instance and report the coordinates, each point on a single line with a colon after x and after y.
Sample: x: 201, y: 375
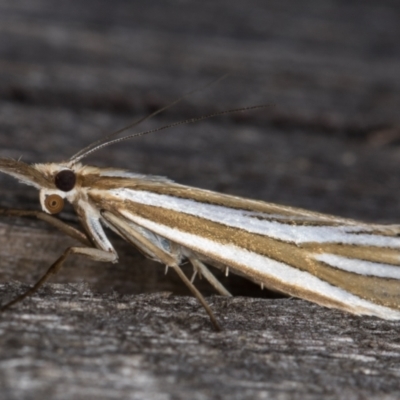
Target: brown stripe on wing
x: 382, y: 255
x: 293, y: 216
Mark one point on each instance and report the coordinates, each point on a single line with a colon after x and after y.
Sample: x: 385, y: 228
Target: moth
x: 335, y: 262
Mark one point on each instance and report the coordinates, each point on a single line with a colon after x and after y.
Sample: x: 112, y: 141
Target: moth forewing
x: 332, y: 261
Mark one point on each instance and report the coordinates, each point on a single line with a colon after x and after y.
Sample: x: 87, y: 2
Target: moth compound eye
x: 54, y: 203
x: 65, y: 180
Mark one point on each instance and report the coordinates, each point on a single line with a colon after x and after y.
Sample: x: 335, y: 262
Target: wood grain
x: 72, y: 71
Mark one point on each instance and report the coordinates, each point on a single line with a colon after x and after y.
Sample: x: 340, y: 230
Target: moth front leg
x: 90, y: 252
x: 104, y: 251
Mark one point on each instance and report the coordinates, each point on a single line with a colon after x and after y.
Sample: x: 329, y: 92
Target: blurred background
x: 73, y: 71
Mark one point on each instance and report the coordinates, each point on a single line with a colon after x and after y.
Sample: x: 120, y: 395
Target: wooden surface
x: 72, y: 71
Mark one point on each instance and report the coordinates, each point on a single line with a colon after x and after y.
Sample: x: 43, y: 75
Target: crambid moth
x: 334, y: 262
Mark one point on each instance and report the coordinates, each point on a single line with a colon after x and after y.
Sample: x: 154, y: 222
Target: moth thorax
x: 65, y: 180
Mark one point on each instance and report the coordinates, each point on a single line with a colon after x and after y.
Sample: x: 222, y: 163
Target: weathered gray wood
x: 71, y: 343
x: 72, y: 71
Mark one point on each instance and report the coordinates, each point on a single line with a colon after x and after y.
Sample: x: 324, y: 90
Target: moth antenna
x: 76, y: 159
x: 145, y: 118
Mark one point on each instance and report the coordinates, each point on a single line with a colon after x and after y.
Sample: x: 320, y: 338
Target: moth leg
x: 60, y: 225
x: 134, y: 236
x: 198, y: 295
x: 90, y: 252
x: 200, y: 267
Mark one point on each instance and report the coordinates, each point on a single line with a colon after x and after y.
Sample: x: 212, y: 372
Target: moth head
x: 64, y: 181
x: 55, y: 181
